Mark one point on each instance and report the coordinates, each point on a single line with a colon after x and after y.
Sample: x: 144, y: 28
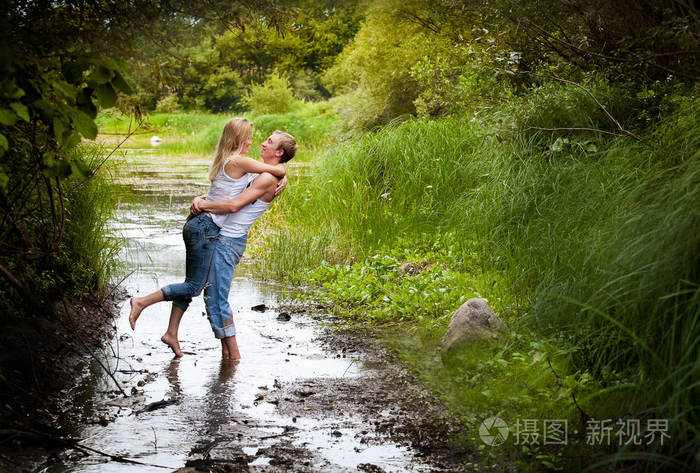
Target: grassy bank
x: 70, y: 222
x: 69, y: 299
x: 197, y: 134
x: 585, y: 243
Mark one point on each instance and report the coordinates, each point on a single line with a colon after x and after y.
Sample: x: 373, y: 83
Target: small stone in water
x: 259, y: 308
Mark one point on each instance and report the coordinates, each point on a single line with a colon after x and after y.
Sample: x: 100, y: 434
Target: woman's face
x: 245, y: 145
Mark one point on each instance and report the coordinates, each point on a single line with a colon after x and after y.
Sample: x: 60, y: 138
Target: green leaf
x: 46, y: 109
x: 73, y: 71
x: 109, y: 63
x: 89, y: 109
x: 84, y: 124
x: 119, y: 83
x: 106, y: 95
x: 4, y: 180
x: 60, y: 169
x: 21, y: 110
x: 100, y: 75
x: 7, y: 117
x: 558, y: 144
x: 64, y: 89
x: 72, y: 140
x: 85, y: 96
x: 9, y: 90
x: 85, y: 104
x: 59, y: 129
x: 4, y: 144
x: 80, y: 168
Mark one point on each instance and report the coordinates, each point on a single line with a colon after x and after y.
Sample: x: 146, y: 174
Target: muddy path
x: 306, y: 396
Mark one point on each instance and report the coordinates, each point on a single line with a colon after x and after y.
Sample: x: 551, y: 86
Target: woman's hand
x: 195, y: 207
x: 281, y: 185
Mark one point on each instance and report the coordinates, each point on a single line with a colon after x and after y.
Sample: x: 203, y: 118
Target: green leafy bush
x: 275, y: 95
x: 462, y: 78
x: 375, y: 70
x: 168, y: 104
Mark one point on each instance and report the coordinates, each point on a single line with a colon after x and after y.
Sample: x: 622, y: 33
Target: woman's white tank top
x: 237, y: 224
x: 224, y: 187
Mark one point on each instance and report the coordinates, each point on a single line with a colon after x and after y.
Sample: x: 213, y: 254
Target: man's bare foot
x: 173, y: 343
x: 230, y: 348
x: 224, y: 350
x: 136, y: 308
x: 227, y: 356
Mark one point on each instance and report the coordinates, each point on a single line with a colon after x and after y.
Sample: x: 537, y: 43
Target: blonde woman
x: 229, y: 177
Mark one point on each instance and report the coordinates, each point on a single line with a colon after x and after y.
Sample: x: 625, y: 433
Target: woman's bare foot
x: 224, y: 350
x: 136, y: 308
x: 173, y: 343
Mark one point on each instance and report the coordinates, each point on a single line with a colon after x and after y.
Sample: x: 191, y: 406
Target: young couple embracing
x: 217, y: 228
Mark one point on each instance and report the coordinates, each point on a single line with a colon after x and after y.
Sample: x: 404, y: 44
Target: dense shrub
x: 275, y: 95
x: 168, y: 104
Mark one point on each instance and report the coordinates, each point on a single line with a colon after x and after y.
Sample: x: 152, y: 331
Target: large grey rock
x: 473, y: 322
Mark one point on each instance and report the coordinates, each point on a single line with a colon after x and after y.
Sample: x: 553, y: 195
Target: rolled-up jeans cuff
x: 181, y: 304
x: 225, y: 332
x: 167, y: 296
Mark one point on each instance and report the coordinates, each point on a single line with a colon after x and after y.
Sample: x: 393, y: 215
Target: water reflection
x: 172, y: 372
x: 219, y: 400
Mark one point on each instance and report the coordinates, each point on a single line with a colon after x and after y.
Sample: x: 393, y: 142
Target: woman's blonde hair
x: 236, y: 132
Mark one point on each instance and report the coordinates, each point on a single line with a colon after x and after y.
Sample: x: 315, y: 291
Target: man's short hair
x: 288, y: 145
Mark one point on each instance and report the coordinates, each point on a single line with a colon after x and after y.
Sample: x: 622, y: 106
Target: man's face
x: 270, y: 148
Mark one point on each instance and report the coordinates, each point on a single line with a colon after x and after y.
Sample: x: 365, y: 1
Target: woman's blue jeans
x: 200, y: 235
x: 227, y: 254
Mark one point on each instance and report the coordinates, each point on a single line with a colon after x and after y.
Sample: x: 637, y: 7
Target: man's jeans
x: 200, y: 239
x: 227, y: 254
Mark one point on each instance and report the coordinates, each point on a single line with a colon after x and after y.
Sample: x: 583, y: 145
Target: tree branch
x: 637, y: 59
x: 23, y: 290
x: 574, y: 129
x: 128, y: 135
x: 623, y: 131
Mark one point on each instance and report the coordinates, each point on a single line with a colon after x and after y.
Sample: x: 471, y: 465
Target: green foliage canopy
x: 212, y: 68
x: 444, y: 57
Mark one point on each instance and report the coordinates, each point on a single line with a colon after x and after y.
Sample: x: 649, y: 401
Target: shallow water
x: 212, y: 399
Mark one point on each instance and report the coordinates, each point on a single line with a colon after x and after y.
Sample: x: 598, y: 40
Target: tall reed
x: 88, y: 249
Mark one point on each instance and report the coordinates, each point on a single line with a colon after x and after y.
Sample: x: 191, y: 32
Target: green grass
x: 88, y: 250
x: 194, y: 133
x: 182, y: 133
x: 584, y: 243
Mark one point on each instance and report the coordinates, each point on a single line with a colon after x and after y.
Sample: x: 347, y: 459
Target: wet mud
x: 379, y: 419
x: 40, y: 361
